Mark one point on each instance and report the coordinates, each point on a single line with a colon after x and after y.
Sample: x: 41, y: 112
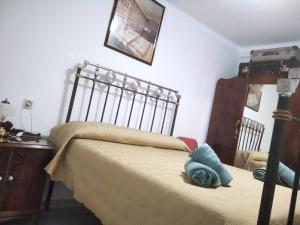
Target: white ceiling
x: 247, y: 22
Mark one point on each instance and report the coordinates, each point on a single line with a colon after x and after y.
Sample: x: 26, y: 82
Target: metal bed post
x: 91, y: 95
x: 52, y: 183
x: 145, y: 102
x: 165, y: 113
x: 73, y: 93
x: 260, y: 138
x: 273, y: 163
x: 294, y: 193
x: 175, y: 114
x: 153, y: 118
x: 120, y: 99
x: 285, y: 87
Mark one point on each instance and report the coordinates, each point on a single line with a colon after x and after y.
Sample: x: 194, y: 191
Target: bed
x: 132, y: 177
x: 249, y: 155
x: 127, y: 176
x: 250, y: 135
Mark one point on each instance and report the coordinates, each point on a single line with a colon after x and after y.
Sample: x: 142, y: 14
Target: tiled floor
x: 68, y: 216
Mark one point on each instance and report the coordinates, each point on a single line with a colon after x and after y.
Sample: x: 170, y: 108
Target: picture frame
x: 134, y: 28
x: 254, y: 96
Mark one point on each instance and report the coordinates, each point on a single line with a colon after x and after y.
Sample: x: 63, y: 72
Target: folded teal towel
x: 201, y: 175
x: 206, y: 155
x: 285, y: 175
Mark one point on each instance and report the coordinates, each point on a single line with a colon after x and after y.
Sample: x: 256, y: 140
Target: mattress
x: 129, y: 184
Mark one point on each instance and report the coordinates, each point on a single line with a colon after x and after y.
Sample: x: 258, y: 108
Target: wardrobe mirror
x: 256, y: 126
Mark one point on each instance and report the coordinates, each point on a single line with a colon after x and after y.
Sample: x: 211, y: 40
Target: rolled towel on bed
x: 285, y: 175
x: 201, y: 175
x: 206, y: 155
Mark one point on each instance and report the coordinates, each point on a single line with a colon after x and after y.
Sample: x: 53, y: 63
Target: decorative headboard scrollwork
x: 154, y: 105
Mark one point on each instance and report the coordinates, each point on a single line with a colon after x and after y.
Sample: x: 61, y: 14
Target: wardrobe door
x: 291, y: 138
x: 227, y: 111
x: 4, y: 156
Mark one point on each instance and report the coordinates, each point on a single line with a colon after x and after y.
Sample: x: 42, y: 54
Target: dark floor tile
x: 70, y: 216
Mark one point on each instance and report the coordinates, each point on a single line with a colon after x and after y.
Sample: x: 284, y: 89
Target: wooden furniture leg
x: 49, y: 195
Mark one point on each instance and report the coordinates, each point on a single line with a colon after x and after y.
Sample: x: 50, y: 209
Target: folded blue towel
x: 201, y: 175
x: 206, y: 155
x: 285, y: 175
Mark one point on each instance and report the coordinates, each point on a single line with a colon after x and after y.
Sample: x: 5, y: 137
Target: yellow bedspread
x: 128, y: 184
x: 250, y: 160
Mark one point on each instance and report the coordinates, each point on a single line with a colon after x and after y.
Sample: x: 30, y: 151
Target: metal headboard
x: 113, y: 81
x: 251, y: 134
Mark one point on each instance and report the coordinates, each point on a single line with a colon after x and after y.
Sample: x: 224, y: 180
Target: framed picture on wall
x: 134, y: 28
x: 254, y: 96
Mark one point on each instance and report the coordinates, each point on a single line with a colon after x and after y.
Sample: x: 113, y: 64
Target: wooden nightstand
x: 22, y: 177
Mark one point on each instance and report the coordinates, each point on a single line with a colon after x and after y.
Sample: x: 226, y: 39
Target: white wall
x: 268, y: 105
x: 41, y: 42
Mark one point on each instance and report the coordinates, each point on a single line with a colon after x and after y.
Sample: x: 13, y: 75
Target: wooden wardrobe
x: 228, y: 106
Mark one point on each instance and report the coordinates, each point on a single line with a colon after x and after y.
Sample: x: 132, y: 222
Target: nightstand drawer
x: 23, y: 178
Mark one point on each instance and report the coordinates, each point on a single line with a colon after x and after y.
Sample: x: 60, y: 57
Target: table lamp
x: 6, y: 110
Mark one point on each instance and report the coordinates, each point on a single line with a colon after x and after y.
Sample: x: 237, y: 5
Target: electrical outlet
x: 28, y: 104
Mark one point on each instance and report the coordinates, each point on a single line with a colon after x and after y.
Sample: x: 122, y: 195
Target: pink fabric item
x: 190, y: 142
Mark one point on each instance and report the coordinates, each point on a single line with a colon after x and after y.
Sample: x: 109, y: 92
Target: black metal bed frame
x: 156, y: 92
x: 251, y: 134
x: 122, y: 82
x: 282, y: 116
x: 126, y: 83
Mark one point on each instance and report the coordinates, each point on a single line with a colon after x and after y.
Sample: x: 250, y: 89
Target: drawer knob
x: 1, y: 178
x: 10, y: 178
